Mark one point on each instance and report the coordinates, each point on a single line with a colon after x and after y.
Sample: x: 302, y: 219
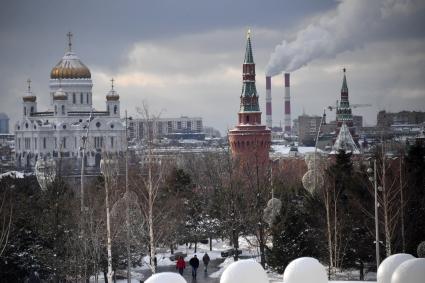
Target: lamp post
x: 127, y: 199
x: 322, y: 121
x: 373, y: 179
x: 105, y: 168
x: 83, y: 155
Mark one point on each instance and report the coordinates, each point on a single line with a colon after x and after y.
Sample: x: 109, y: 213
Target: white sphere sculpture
x: 244, y: 271
x: 166, y: 277
x: 410, y: 271
x: 305, y: 270
x: 389, y: 265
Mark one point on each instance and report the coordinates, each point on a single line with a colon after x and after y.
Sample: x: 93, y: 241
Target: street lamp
x: 373, y: 179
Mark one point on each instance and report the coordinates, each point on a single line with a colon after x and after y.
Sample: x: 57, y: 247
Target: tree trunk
x: 262, y: 249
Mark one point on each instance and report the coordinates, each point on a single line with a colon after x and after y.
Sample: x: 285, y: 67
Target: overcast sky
x: 185, y: 57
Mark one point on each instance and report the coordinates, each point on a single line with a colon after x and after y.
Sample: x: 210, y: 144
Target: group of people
x: 194, y: 263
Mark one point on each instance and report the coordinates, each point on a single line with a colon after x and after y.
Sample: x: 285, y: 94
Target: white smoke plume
x: 350, y: 26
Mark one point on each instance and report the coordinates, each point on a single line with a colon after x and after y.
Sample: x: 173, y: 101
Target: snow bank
x: 389, y: 265
x: 305, y: 270
x: 14, y: 175
x: 410, y: 271
x: 166, y: 277
x: 244, y: 271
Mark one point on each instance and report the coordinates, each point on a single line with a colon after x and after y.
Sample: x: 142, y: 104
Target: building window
x: 63, y: 109
x: 32, y: 109
x: 25, y: 111
x: 98, y: 142
x: 87, y: 98
x: 35, y: 143
x: 27, y: 143
x: 189, y: 125
x: 81, y: 98
x: 115, y: 109
x: 179, y: 125
x: 56, y: 109
x: 169, y: 126
x: 19, y: 143
x: 44, y: 143
x: 56, y: 143
x: 74, y: 99
x: 112, y: 142
x: 64, y: 142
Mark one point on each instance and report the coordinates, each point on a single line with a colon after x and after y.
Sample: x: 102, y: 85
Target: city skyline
x: 186, y: 59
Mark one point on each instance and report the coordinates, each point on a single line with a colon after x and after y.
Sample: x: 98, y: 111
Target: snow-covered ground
x: 163, y: 259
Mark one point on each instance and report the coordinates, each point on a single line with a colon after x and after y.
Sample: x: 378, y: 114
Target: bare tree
x: 6, y: 213
x: 152, y: 172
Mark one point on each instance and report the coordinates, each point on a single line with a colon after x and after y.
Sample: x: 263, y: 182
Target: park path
x: 201, y: 278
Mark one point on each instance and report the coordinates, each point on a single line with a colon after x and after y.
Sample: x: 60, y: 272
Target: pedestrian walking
x: 206, y: 259
x: 181, y: 265
x: 194, y: 262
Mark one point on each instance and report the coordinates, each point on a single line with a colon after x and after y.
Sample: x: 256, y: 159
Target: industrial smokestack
x: 269, y: 102
x: 287, y: 122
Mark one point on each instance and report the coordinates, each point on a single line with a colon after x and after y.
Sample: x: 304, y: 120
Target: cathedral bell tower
x: 249, y: 140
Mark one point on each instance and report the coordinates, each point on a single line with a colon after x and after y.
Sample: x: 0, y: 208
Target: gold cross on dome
x: 29, y: 85
x: 69, y: 35
x: 112, y: 83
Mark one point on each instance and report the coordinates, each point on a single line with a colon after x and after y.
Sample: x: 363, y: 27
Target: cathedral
x: 60, y: 132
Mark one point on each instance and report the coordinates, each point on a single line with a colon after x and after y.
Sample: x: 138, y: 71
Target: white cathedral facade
x: 59, y: 132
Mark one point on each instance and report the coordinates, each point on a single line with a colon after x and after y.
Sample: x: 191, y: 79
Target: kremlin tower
x: 343, y: 111
x: 250, y: 140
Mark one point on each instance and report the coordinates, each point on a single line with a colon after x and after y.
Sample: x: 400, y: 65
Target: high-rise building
x: 4, y: 123
x: 59, y: 131
x: 250, y: 140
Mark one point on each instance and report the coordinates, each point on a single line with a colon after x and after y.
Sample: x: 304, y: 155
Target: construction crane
x: 351, y: 105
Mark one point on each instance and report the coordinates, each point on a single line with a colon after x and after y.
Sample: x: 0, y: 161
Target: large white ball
x: 166, y: 277
x: 305, y: 270
x: 410, y: 271
x: 244, y: 271
x: 389, y: 265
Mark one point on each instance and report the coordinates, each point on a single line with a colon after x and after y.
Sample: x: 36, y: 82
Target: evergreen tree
x: 296, y: 231
x: 415, y: 195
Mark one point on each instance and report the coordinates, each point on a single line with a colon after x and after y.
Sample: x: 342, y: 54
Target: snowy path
x: 201, y: 278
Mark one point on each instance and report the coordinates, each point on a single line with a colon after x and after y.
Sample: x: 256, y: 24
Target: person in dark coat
x: 181, y: 265
x: 34, y: 277
x: 194, y: 262
x: 206, y: 259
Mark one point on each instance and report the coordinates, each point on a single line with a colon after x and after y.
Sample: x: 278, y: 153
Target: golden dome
x: 29, y: 98
x: 70, y: 67
x: 60, y: 95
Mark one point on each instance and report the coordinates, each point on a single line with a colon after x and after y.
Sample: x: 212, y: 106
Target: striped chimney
x: 269, y: 102
x: 287, y: 122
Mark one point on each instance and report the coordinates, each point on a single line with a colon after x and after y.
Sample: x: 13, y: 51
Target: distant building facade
x: 172, y: 128
x: 387, y: 119
x: 308, y: 126
x: 4, y: 123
